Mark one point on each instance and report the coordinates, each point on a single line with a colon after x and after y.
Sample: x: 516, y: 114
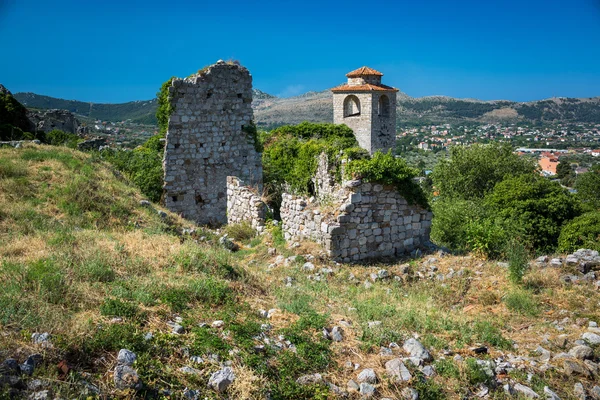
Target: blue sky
x: 116, y: 51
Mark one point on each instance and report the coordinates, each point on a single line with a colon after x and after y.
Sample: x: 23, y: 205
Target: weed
x: 447, y: 368
x: 487, y: 333
x: 475, y: 373
x: 118, y: 308
x: 522, y: 302
x: 12, y: 168
x: 242, y: 232
x: 428, y: 389
x: 518, y: 258
x: 205, y: 341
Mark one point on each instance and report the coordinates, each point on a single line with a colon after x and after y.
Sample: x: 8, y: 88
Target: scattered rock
x: 126, y: 357
x: 217, y: 324
x: 573, y: 368
x: 397, y: 370
x: 336, y: 334
x: 526, y: 391
x: 409, y: 394
x: 190, y: 370
x: 308, y: 266
x: 550, y: 395
x: 373, y: 324
x: 416, y: 349
x: 126, y: 377
x: 41, y: 395
x: 366, y: 390
x: 227, y: 243
x: 310, y: 379
x: 162, y: 214
x: 352, y: 385
x: 42, y: 339
x: 428, y: 371
x: 220, y: 380
x: 145, y: 203
x: 581, y: 352
x: 367, y: 375
x: 579, y: 391
x: 595, y: 392
x: 591, y: 338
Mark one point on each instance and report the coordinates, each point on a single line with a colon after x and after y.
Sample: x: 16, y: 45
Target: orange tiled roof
x: 367, y: 87
x: 363, y: 71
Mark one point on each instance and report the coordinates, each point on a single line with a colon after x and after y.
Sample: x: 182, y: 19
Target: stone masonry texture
x: 206, y: 142
x: 243, y: 204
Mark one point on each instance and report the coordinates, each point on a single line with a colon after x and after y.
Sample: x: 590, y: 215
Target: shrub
x: 588, y: 188
x: 536, y: 205
x: 475, y: 374
x: 387, y: 169
x: 451, y: 221
x: 581, y: 232
x: 472, y: 172
x: 59, y: 138
x: 242, y: 232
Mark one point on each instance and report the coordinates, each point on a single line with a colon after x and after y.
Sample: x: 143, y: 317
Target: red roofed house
x: 548, y: 163
x: 367, y: 107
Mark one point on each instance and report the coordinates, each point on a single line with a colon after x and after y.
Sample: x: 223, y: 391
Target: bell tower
x: 367, y: 107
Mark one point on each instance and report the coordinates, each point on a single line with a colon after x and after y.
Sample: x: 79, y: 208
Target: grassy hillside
x: 83, y: 260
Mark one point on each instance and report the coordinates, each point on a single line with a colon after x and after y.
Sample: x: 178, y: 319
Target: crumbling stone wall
x: 244, y: 204
x: 206, y: 142
x: 372, y: 221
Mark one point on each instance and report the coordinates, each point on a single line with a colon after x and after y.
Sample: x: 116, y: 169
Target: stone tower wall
x: 360, y: 124
x: 205, y: 142
x: 373, y: 132
x: 383, y: 127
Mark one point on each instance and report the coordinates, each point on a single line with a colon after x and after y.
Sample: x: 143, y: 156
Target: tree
x: 581, y: 232
x: 588, y: 188
x: 533, y: 205
x: 563, y: 169
x: 472, y: 172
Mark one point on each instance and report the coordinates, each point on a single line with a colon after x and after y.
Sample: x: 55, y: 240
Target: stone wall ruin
x: 206, y: 142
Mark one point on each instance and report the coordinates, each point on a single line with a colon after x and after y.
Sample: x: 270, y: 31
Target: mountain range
x: 271, y: 111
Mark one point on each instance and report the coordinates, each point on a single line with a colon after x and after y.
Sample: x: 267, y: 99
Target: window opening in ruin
x: 177, y: 145
x: 351, y: 106
x: 199, y: 199
x: 383, y: 108
x: 209, y: 94
x: 239, y: 95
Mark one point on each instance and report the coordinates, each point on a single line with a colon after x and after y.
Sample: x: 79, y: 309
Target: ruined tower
x: 207, y: 140
x: 367, y: 107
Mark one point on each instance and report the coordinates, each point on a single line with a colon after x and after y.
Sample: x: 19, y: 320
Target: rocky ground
x: 126, y: 300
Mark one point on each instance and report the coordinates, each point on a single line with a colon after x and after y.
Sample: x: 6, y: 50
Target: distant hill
x: 141, y: 112
x: 271, y: 111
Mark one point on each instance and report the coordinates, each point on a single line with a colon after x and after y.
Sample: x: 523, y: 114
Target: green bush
x: 472, y: 172
x: 451, y: 221
x: 581, y: 232
x: 387, y: 169
x: 59, y: 138
x: 537, y: 206
x: 242, y: 232
x: 588, y: 188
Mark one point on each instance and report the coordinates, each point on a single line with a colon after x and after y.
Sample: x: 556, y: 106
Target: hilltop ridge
x: 271, y: 111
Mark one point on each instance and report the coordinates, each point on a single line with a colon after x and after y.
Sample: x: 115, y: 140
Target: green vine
x: 386, y: 169
x: 165, y: 109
